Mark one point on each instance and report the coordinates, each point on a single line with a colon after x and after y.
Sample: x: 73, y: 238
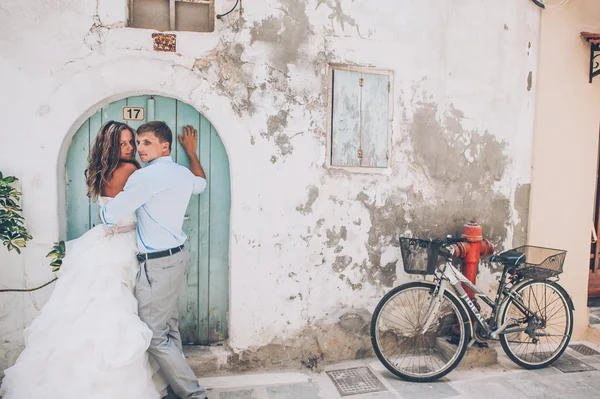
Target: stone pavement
x: 502, y: 380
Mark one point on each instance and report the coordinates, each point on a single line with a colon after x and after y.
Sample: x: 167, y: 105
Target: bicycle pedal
x: 482, y: 344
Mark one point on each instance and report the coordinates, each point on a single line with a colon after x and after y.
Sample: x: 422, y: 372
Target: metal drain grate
x: 569, y: 364
x: 584, y: 350
x: 355, y: 381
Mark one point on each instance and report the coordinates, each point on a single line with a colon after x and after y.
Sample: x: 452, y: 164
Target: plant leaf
x: 13, y: 233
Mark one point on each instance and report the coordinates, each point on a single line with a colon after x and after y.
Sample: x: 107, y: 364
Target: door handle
x: 187, y: 217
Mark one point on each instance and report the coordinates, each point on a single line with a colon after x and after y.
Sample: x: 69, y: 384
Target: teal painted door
x: 204, y: 301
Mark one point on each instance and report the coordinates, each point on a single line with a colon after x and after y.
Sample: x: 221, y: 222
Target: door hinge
x: 361, y: 82
x: 359, y: 153
x: 389, y: 87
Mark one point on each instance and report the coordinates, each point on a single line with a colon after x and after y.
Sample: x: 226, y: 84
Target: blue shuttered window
x: 359, y: 122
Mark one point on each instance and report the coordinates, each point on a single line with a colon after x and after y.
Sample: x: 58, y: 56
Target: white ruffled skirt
x: 88, y: 341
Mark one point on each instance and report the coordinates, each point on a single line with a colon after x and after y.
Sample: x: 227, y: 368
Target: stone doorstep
x: 594, y: 316
x: 593, y: 333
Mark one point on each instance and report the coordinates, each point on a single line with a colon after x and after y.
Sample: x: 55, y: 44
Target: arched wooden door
x: 205, y: 296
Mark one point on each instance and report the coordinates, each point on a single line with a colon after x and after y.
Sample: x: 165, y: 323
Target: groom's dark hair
x: 160, y: 130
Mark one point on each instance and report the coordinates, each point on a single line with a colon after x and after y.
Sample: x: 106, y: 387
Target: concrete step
x: 222, y: 360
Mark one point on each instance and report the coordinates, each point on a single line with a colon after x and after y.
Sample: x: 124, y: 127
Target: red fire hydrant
x: 470, y: 251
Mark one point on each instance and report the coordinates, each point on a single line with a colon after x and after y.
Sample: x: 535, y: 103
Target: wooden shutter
x: 359, y: 128
x: 374, y: 120
x: 345, y: 133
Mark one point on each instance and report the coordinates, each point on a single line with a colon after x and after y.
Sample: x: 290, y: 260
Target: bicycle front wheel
x: 409, y: 348
x: 545, y: 337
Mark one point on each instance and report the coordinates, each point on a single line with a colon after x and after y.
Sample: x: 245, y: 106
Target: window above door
x: 173, y: 15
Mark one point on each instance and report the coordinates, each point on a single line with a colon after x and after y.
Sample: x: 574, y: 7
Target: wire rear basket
x: 419, y: 256
x: 541, y: 263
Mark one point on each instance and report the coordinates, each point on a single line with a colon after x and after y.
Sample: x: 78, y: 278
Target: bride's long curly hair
x: 105, y: 156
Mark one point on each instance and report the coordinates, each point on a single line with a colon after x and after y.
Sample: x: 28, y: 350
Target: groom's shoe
x: 171, y: 394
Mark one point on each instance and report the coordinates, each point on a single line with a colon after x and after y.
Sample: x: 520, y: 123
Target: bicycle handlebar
x: 445, y: 245
x: 438, y: 241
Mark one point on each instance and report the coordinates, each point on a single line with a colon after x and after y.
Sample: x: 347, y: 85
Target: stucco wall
x: 309, y: 243
x: 565, y: 155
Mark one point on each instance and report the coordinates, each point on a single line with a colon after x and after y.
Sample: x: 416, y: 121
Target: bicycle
x: 421, y: 330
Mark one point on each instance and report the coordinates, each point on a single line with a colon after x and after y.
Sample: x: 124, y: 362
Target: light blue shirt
x: 159, y: 194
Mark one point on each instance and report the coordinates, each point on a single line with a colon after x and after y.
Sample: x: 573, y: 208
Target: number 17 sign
x: 133, y: 113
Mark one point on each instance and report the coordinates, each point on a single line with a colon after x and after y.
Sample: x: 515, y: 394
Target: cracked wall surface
x: 310, y: 244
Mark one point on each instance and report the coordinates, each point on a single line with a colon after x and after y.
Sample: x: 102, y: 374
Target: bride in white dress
x: 88, y: 341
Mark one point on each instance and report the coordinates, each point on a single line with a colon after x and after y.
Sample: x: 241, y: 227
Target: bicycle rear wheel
x: 547, y: 338
x: 401, y: 344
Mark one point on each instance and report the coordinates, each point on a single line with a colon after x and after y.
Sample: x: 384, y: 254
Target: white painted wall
x: 467, y: 60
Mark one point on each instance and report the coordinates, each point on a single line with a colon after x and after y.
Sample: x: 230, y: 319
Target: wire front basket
x: 419, y: 256
x: 541, y: 263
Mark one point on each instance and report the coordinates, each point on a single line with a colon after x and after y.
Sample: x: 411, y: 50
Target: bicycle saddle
x: 510, y: 257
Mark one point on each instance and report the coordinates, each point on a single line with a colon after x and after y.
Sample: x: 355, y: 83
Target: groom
x: 159, y: 194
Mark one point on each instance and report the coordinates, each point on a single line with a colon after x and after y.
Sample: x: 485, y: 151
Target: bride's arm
x: 115, y: 185
x: 137, y: 191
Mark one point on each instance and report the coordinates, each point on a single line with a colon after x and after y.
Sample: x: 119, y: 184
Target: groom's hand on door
x: 189, y: 140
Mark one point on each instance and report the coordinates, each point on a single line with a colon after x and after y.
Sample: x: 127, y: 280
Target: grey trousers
x: 157, y: 291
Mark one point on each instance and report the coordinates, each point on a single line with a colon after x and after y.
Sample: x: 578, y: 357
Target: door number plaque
x: 134, y: 113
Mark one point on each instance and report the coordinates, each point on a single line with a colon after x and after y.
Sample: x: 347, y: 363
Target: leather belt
x: 159, y: 254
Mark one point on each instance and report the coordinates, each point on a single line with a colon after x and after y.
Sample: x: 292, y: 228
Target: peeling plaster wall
x: 311, y: 246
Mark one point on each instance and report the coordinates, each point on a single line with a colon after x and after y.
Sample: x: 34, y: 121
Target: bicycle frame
x: 450, y: 274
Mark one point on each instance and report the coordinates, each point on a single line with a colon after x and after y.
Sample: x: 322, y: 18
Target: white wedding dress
x: 88, y: 341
